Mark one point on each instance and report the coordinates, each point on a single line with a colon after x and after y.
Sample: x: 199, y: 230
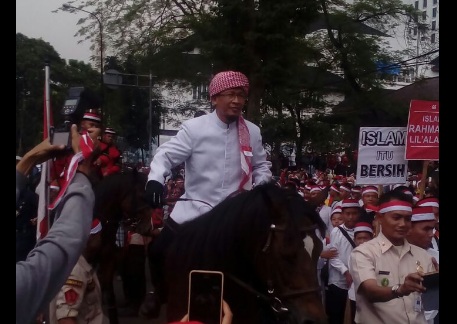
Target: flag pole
x: 47, y: 126
x: 47, y: 91
x: 43, y: 219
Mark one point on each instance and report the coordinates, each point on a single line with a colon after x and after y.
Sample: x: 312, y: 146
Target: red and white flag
x: 43, y: 221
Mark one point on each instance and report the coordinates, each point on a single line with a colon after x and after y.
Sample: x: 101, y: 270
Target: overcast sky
x: 34, y: 19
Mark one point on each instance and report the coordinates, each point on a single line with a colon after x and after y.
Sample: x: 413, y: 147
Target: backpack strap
x: 347, y: 236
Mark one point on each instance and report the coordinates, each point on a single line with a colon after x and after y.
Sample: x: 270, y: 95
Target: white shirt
x: 325, y: 213
x: 339, y: 265
x: 210, y: 149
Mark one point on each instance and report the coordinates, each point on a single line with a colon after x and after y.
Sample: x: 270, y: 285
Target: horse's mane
x: 210, y: 240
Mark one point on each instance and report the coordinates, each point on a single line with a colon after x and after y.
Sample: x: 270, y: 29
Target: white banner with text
x: 381, y: 156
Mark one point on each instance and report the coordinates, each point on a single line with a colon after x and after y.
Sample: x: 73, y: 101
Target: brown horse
x: 264, y: 241
x: 119, y: 200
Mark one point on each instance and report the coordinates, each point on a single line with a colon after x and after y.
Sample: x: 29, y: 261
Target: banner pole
x: 376, y: 225
x: 423, y: 177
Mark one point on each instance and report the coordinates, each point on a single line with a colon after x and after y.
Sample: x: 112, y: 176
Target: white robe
x: 210, y: 149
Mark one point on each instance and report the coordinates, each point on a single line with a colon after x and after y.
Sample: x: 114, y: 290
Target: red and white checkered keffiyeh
x: 246, y: 154
x: 228, y: 80
x: 86, y: 145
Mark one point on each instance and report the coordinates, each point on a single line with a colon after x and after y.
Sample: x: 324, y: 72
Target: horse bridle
x: 274, y: 301
x: 131, y: 220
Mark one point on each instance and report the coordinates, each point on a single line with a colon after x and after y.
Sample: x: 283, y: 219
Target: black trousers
x: 156, y: 254
x: 335, y: 304
x: 133, y: 275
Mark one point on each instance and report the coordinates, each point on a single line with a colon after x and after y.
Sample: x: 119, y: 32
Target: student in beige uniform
x: 80, y: 300
x: 387, y: 270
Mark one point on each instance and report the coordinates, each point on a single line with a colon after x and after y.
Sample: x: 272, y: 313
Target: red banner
x: 422, y: 135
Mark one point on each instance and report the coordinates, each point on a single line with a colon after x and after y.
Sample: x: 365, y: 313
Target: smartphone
x: 61, y: 138
x: 206, y: 290
x: 431, y: 280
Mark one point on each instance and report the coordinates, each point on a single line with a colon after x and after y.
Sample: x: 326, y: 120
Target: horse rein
x: 190, y: 199
x: 236, y: 192
x: 274, y: 301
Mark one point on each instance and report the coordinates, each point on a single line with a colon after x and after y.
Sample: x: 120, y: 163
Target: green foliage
x: 286, y: 48
x: 31, y: 57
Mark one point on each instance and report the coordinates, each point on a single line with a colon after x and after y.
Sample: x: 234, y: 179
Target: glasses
x: 231, y: 96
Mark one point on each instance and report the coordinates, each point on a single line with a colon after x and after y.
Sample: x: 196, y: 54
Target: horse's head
x: 119, y: 198
x: 137, y: 212
x: 287, y: 255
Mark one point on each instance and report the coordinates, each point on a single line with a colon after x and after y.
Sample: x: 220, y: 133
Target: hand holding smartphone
x: 431, y: 297
x: 431, y: 280
x: 61, y: 138
x: 205, y: 296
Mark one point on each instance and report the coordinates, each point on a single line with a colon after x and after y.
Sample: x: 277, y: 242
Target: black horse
x: 264, y: 241
x: 119, y: 201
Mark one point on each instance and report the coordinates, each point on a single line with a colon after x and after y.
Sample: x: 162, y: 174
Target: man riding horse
x: 222, y: 152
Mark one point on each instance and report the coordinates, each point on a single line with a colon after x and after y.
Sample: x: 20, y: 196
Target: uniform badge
x: 384, y: 282
x: 71, y: 296
x: 74, y: 283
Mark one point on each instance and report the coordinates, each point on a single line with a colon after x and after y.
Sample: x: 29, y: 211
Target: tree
x: 31, y: 57
x: 271, y: 41
x: 258, y: 38
x: 129, y: 104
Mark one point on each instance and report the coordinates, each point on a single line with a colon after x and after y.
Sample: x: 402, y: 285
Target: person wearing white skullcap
x: 328, y: 252
x: 387, y: 270
x: 345, y: 191
x: 356, y: 192
x: 370, y: 196
x: 80, y: 298
x: 421, y: 234
x: 369, y: 200
x: 339, y: 282
x: 222, y: 153
x: 433, y: 202
x: 333, y: 195
x: 363, y: 232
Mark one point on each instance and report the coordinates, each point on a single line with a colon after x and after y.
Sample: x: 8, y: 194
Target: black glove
x: 154, y: 194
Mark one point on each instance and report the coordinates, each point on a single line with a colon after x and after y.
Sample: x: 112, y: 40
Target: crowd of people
x: 380, y: 240
x: 393, y: 218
